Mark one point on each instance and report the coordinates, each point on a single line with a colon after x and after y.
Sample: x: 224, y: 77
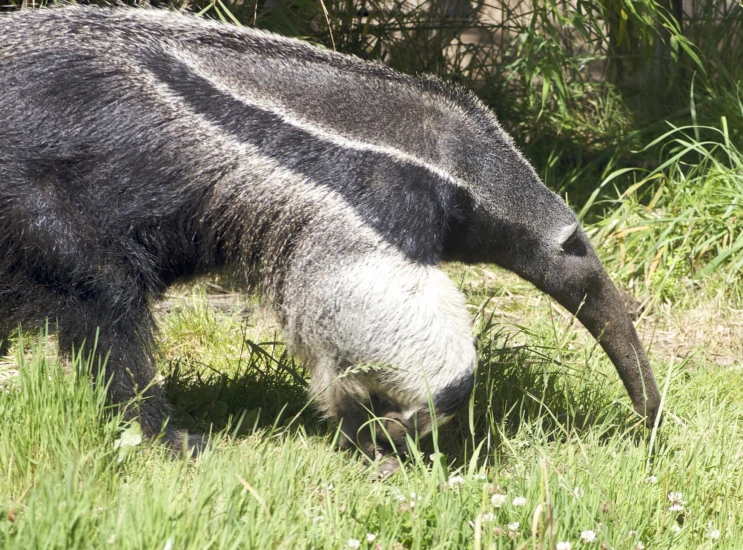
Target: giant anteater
x: 140, y: 147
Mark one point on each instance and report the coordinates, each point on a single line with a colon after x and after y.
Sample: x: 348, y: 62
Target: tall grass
x: 683, y: 218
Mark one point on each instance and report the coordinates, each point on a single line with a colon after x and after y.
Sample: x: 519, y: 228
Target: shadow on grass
x: 527, y: 392
x: 267, y: 390
x: 521, y: 392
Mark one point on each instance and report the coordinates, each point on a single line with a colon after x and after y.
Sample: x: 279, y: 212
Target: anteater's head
x: 507, y: 216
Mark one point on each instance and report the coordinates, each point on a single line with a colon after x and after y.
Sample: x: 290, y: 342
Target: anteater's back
x: 344, y: 95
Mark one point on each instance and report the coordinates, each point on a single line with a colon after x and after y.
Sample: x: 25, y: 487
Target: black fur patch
x: 448, y: 400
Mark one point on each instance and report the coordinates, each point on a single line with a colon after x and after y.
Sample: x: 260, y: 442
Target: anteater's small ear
x: 567, y: 234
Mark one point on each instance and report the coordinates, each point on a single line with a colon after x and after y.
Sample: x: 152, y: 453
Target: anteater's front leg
x: 385, y: 336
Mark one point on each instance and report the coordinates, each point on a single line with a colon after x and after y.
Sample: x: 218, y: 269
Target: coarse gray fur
x: 141, y: 147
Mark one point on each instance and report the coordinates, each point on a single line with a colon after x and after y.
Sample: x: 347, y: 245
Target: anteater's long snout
x: 606, y: 317
x: 579, y: 282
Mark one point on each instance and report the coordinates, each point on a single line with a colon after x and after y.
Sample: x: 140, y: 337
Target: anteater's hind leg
x: 85, y: 264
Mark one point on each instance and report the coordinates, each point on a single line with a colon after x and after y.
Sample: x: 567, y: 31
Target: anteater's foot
x: 387, y: 446
x: 183, y: 443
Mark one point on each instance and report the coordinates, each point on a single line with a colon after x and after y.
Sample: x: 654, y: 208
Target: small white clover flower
x: 414, y: 498
x: 455, y: 481
x: 371, y: 537
x: 354, y: 543
x: 519, y: 502
x: 677, y: 501
x: 514, y: 526
x: 578, y: 492
x: 563, y: 546
x: 652, y: 480
x: 480, y: 477
x: 487, y: 517
x: 639, y: 545
x: 588, y: 536
x: 676, y: 528
x: 498, y: 500
x: 714, y: 534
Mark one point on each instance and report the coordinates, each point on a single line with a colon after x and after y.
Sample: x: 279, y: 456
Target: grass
x: 682, y: 219
x: 549, y: 422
